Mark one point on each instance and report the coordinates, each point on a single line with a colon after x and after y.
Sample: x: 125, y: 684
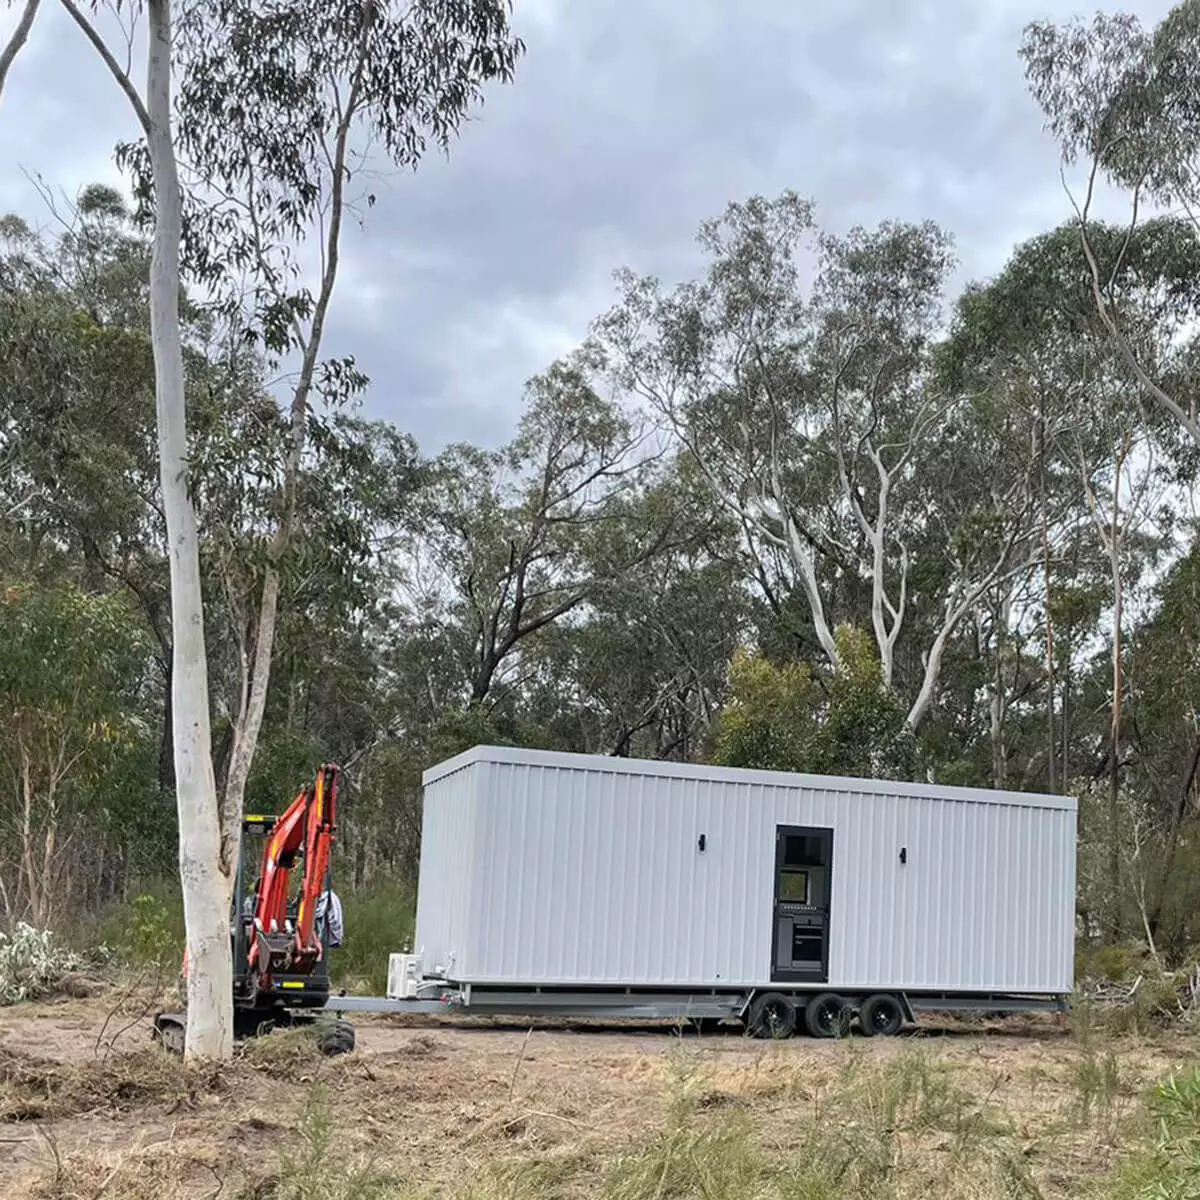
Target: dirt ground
x: 84, y: 1097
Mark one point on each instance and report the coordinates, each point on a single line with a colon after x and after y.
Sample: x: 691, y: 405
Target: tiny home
x: 583, y: 875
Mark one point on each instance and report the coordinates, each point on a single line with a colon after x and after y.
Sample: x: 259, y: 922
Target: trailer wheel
x: 827, y: 1015
x: 881, y: 1015
x: 772, y: 1016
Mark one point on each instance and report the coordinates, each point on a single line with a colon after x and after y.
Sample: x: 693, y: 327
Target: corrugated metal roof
x: 675, y: 770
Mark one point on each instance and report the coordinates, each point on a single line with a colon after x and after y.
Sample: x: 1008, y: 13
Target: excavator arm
x: 278, y: 943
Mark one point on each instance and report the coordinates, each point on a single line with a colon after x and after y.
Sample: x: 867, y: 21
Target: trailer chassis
x: 765, y: 1012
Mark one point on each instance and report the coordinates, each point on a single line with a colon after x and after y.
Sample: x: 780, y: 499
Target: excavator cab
x: 290, y: 981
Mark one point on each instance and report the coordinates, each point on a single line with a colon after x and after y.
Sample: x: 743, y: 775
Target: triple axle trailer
x: 584, y: 886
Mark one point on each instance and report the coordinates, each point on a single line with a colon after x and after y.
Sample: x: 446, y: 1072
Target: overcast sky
x: 629, y: 122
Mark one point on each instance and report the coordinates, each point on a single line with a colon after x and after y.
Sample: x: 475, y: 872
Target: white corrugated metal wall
x: 448, y: 839
x: 587, y: 871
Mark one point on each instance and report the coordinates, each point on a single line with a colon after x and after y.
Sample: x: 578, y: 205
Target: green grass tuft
x: 320, y: 1165
x: 379, y: 921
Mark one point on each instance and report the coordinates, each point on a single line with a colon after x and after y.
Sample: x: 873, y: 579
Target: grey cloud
x: 627, y: 124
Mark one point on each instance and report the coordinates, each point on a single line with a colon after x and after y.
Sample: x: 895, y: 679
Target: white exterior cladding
x: 561, y: 869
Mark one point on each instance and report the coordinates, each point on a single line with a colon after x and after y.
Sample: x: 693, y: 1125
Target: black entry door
x: 803, y: 866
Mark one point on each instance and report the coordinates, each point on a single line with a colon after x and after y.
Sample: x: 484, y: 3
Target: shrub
x: 32, y: 963
x: 146, y: 931
x: 320, y: 1168
x: 379, y: 921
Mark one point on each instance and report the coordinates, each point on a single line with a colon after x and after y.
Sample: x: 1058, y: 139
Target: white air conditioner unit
x: 404, y: 976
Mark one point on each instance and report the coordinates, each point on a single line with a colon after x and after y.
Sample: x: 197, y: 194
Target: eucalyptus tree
x: 354, y: 485
x: 1033, y: 338
x: 642, y: 670
x: 1164, y: 735
x: 276, y: 107
x: 1125, y: 102
x: 78, y: 408
x: 71, y: 678
x: 511, y: 541
x: 812, y: 415
x: 285, y: 117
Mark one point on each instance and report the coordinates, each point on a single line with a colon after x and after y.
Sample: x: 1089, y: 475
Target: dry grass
x: 40, y: 1089
x: 491, y: 1114
x: 130, y: 1175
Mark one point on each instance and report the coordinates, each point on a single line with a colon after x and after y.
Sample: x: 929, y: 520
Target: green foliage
x: 70, y: 670
x: 1099, y: 1085
x: 1123, y: 96
x: 842, y: 723
x: 32, y: 961
x: 71, y: 682
x: 143, y: 932
x: 767, y: 722
x: 379, y: 921
x: 321, y: 1167
x: 283, y: 765
x: 152, y: 932
x: 1176, y: 1108
x: 1168, y: 1168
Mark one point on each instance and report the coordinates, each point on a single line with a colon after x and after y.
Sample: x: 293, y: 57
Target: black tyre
x: 772, y: 1016
x: 170, y: 1032
x: 336, y: 1038
x: 881, y: 1016
x: 827, y: 1015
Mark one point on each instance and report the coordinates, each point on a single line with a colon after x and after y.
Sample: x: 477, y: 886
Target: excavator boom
x: 279, y: 943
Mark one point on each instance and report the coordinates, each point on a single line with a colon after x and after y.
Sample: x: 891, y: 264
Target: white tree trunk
x: 206, y: 887
x: 249, y: 720
x: 802, y: 560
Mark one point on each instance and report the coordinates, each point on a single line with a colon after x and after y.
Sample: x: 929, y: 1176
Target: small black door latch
x: 702, y: 842
x: 903, y: 854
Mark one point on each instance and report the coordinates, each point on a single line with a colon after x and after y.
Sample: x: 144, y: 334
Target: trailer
x: 580, y: 885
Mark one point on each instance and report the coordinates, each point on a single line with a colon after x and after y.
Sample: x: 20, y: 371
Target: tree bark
x: 1186, y: 793
x: 999, y: 701
x: 1051, y: 747
x: 166, y: 739
x: 20, y: 36
x: 1112, y: 538
x: 1114, y: 766
x: 207, y: 889
x: 1117, y: 336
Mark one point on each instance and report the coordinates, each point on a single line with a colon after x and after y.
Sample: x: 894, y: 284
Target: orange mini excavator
x: 280, y: 954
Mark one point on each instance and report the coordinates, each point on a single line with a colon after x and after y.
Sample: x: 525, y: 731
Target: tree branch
x: 19, y: 37
x: 121, y: 76
x: 1118, y: 337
